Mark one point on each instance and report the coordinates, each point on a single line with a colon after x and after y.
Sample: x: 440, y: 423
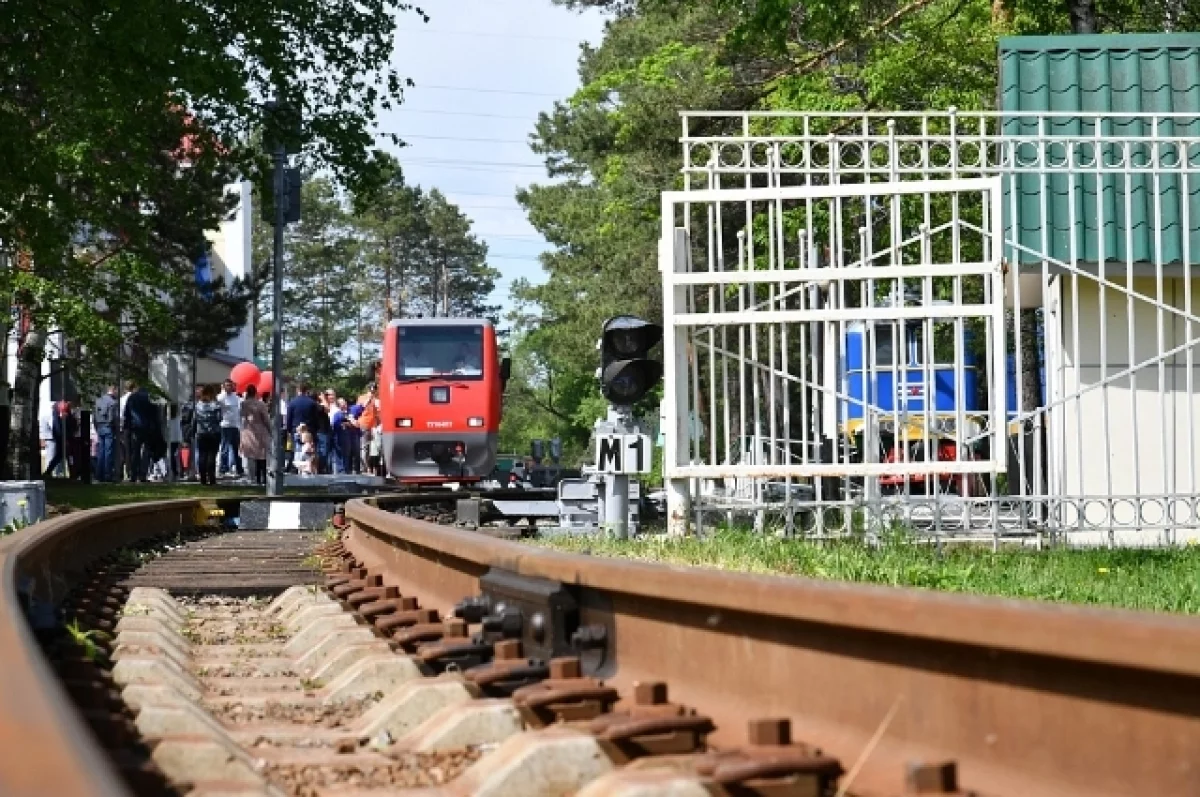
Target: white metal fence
x: 861, y: 352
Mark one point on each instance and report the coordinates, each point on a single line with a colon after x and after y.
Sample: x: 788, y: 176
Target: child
x: 306, y: 452
x: 374, y: 451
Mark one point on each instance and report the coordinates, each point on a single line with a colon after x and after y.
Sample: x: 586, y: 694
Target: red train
x: 440, y: 387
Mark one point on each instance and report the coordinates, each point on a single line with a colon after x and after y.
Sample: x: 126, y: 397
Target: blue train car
x: 888, y: 388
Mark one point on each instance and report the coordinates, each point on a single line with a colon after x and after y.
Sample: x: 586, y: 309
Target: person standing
x: 103, y: 418
x: 366, y: 425
x: 63, y: 427
x: 141, y: 418
x: 46, y: 433
x: 322, y: 432
x: 231, y: 419
x: 187, y: 420
x: 125, y: 435
x: 174, y: 443
x: 256, y: 435
x: 302, y: 409
x: 208, y: 415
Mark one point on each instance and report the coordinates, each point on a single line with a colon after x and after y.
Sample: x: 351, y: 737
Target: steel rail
x: 1028, y: 698
x: 46, y: 749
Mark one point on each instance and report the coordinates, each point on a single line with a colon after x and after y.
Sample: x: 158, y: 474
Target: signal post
x: 626, y: 374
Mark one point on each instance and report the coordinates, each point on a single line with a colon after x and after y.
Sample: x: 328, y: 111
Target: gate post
x: 673, y: 256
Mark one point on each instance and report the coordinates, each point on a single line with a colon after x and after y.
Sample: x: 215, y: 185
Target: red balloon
x: 244, y: 375
x: 266, y: 383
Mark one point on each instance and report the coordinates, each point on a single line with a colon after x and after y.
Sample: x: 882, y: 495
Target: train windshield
x: 430, y: 351
x: 911, y: 350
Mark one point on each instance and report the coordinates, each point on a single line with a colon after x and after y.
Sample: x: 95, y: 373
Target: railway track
x: 146, y: 650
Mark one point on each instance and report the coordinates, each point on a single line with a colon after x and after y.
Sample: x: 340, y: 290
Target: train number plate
x: 623, y: 453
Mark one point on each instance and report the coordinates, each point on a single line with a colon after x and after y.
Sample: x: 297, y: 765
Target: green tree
x: 99, y: 105
x: 458, y: 280
x: 322, y: 252
x: 352, y: 266
x: 394, y: 222
x: 614, y: 142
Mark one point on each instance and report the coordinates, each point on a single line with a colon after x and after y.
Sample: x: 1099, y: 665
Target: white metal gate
x: 865, y: 246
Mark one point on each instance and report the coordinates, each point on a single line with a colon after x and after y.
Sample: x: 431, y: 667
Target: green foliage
x: 92, y: 88
x: 356, y: 261
x: 615, y: 144
x: 1153, y: 580
x: 323, y: 255
x: 13, y: 526
x: 120, y: 125
x: 87, y: 640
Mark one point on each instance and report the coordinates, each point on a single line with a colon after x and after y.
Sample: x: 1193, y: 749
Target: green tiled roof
x: 1134, y: 76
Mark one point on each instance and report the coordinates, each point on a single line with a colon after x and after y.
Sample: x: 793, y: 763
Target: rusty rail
x: 1026, y: 698
x: 45, y: 747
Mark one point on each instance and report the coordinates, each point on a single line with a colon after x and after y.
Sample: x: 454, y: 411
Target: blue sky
x: 484, y: 69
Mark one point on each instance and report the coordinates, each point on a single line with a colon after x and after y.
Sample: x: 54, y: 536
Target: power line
x: 437, y: 161
x: 480, y: 206
x: 466, y: 113
x: 444, y: 32
x: 458, y: 138
x: 475, y: 90
x: 476, y: 193
x: 479, y: 166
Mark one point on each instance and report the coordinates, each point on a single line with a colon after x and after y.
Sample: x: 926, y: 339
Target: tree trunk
x: 387, y: 292
x: 1000, y: 12
x: 24, y: 459
x: 1083, y: 15
x: 1030, y: 400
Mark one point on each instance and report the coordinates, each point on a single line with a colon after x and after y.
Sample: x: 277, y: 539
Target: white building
x: 229, y: 257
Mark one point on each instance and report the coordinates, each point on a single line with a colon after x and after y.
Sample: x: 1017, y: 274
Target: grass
x: 1166, y: 580
x: 66, y: 496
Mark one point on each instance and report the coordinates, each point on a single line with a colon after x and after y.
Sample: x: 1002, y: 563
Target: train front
x: 440, y: 387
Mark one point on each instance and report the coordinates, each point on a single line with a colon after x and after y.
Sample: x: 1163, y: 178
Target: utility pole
x: 285, y: 189
x: 275, y: 485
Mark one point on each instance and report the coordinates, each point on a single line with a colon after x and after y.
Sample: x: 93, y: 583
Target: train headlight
x: 439, y: 395
x: 475, y: 422
x: 403, y: 423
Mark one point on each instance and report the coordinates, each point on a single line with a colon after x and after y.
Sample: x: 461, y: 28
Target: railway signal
x: 627, y: 373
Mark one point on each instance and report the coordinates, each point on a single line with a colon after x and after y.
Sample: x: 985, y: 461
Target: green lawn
x: 64, y: 496
x: 1158, y: 580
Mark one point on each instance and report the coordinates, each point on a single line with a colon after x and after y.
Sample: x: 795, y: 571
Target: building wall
x: 231, y: 259
x: 1152, y: 423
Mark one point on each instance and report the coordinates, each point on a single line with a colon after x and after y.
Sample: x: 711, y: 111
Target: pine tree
x: 319, y: 286
x: 459, y: 280
x: 396, y: 229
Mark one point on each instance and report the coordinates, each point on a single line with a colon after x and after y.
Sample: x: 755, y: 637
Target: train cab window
x: 884, y: 341
x: 433, y: 351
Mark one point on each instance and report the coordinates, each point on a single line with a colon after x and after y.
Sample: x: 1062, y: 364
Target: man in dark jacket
x: 141, y: 419
x: 104, y: 418
x: 302, y: 409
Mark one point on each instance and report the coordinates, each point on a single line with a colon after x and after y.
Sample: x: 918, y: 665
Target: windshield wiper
x: 409, y: 380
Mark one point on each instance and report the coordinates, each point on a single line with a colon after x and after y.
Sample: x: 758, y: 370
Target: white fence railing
x: 834, y: 287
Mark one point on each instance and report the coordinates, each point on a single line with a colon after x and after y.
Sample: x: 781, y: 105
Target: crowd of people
x: 221, y: 433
